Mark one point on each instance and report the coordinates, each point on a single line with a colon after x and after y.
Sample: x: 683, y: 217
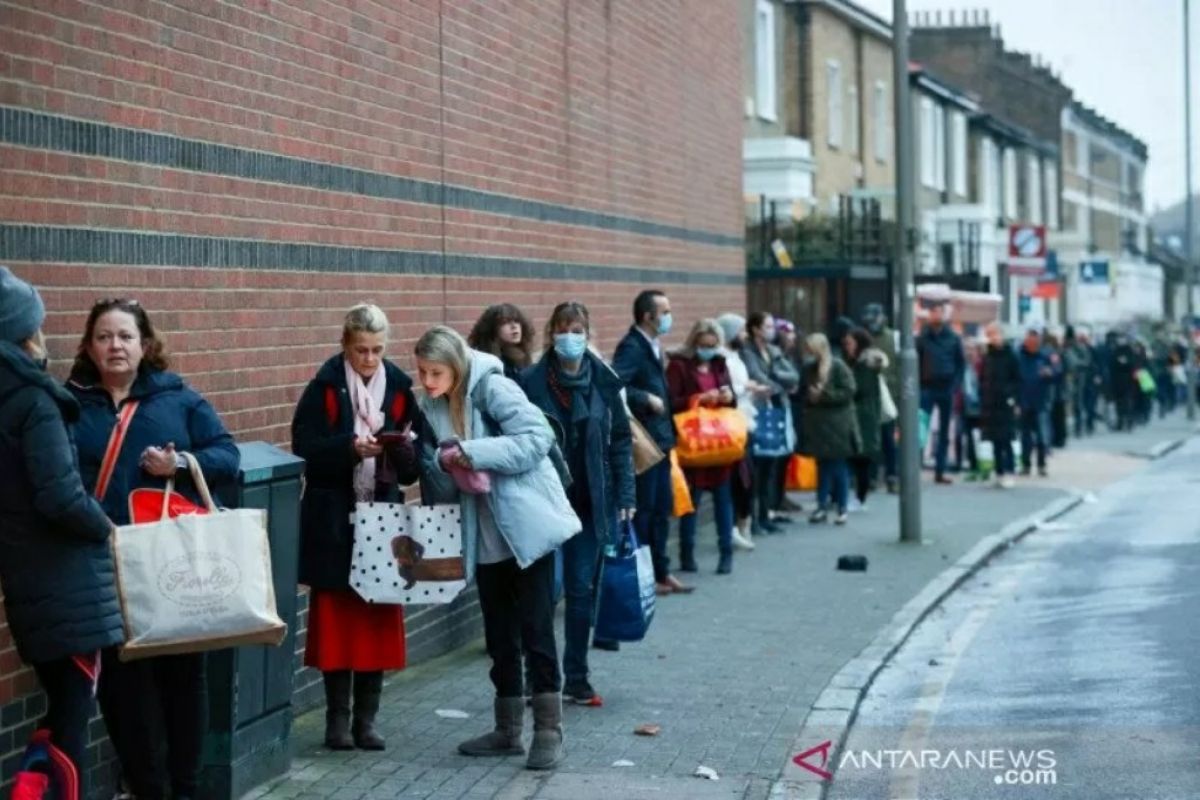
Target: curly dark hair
x: 154, y: 352
x: 485, y: 335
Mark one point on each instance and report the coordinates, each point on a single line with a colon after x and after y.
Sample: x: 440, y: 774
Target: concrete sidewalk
x: 729, y: 672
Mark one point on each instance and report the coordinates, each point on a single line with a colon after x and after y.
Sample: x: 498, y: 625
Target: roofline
x: 854, y: 14
x: 922, y: 77
x: 1014, y: 132
x: 1095, y: 119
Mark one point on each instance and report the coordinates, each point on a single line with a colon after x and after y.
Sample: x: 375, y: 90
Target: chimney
x: 951, y: 17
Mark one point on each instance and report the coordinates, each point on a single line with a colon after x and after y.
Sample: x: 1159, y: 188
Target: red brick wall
x: 249, y: 170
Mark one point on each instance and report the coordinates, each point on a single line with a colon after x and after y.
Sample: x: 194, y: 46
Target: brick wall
x: 250, y: 170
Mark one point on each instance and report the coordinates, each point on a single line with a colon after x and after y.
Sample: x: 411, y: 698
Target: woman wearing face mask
x: 830, y: 426
x: 697, y: 373
x: 577, y: 390
x: 355, y: 396
x: 479, y: 420
x: 504, y: 331
x: 767, y: 365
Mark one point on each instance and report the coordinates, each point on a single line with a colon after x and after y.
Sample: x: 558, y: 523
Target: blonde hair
x: 364, y: 318
x: 703, y: 327
x: 444, y: 345
x: 818, y: 345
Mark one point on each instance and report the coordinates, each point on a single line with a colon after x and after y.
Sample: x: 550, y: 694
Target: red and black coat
x: 323, y: 435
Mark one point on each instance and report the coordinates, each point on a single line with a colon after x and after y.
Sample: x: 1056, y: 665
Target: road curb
x: 836, y: 708
x: 1165, y: 448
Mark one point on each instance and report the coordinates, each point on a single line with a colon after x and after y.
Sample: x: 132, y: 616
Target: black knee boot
x: 368, y: 688
x: 337, y: 710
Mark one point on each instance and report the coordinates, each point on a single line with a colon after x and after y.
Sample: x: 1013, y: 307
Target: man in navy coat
x: 641, y: 364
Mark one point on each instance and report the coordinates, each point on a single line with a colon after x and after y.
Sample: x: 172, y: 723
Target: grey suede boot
x: 337, y: 710
x: 368, y: 689
x: 505, y: 740
x: 546, y: 751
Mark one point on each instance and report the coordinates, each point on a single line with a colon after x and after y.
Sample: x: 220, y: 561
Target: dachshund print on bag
x: 413, y: 566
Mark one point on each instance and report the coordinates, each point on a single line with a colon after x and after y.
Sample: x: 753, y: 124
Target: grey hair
x: 364, y: 318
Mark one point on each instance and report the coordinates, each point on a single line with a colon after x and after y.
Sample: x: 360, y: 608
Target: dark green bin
x: 250, y: 688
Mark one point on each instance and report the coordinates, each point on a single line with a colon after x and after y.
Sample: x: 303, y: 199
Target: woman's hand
x: 161, y: 462
x: 453, y: 456
x: 367, y: 447
x: 725, y: 396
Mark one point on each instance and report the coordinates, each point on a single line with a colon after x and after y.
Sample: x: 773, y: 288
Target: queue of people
x: 549, y: 440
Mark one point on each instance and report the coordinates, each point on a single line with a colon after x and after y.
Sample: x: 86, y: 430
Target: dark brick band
x: 47, y: 132
x: 94, y: 246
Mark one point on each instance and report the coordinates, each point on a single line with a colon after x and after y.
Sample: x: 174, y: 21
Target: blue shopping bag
x: 770, y: 438
x: 626, y: 604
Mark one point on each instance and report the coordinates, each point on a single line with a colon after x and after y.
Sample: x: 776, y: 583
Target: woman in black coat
x: 356, y: 395
x: 999, y: 390
x: 55, y: 564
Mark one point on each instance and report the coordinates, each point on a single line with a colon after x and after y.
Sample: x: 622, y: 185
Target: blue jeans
x: 1034, y: 425
x: 943, y: 400
x: 833, y: 482
x: 723, y: 508
x: 655, y: 504
x: 581, y: 570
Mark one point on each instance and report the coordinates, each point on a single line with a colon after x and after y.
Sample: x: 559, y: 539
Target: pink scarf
x: 367, y: 404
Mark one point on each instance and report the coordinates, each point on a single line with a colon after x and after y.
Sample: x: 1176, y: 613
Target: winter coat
x: 323, y: 435
x: 999, y: 390
x: 683, y: 379
x: 868, y: 400
x: 169, y: 411
x: 56, y: 568
x: 885, y: 342
x: 608, y: 450
x: 830, y: 422
x: 1080, y: 364
x: 1037, y: 381
x: 775, y: 370
x: 527, y: 500
x: 645, y: 375
x: 941, y: 358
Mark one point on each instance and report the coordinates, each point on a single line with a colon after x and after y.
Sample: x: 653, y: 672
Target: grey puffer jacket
x: 527, y: 499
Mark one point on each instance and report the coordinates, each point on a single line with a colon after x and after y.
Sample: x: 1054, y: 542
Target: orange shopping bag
x: 680, y: 490
x: 710, y: 437
x: 801, y: 474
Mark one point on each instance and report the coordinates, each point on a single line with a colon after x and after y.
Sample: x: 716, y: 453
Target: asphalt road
x: 1067, y: 668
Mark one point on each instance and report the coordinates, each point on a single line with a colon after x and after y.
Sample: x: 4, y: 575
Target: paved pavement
x: 1072, y: 656
x: 729, y: 672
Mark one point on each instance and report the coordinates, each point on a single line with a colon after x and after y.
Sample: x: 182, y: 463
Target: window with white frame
x: 879, y: 122
x: 852, y: 119
x: 833, y: 100
x: 1033, y: 188
x: 764, y: 60
x: 1083, y: 159
x: 939, y: 129
x: 1052, y: 195
x: 928, y: 143
x: 958, y: 144
x: 1010, y: 182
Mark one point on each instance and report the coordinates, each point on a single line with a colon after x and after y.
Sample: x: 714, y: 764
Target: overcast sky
x: 1122, y: 57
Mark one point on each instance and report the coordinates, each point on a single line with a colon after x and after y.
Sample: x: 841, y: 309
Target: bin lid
x: 263, y: 462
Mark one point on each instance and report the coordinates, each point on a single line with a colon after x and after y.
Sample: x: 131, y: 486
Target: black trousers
x: 863, y: 469
x: 151, y: 703
x: 69, y: 706
x: 518, y: 614
x: 766, y: 486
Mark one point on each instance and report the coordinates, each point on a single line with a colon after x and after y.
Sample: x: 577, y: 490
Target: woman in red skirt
x: 355, y: 395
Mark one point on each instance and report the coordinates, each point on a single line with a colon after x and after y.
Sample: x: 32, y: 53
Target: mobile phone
x: 393, y: 437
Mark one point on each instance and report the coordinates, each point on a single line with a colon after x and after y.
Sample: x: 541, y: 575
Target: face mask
x: 570, y: 346
x: 706, y: 353
x: 664, y: 324
x: 768, y: 334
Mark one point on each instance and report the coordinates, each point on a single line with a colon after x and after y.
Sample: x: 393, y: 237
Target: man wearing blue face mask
x: 577, y: 390
x: 640, y: 363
